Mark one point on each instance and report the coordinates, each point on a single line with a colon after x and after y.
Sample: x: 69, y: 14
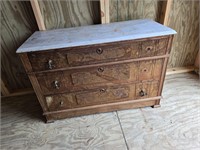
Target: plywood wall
x: 17, y: 24
x: 121, y: 10
x: 68, y: 13
x: 184, y: 18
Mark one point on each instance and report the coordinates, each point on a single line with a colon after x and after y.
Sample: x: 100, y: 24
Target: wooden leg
x: 50, y: 121
x: 157, y: 104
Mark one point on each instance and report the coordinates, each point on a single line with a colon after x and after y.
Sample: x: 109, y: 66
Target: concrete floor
x: 173, y: 126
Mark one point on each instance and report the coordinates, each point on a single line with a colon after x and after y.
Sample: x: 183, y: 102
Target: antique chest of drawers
x: 98, y: 68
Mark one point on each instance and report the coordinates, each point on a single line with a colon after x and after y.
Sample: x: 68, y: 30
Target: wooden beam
x: 166, y: 5
x: 105, y: 13
x: 171, y: 71
x: 4, y: 90
x: 38, y: 14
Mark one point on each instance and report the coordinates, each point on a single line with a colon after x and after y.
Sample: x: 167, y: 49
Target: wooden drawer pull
x: 142, y: 93
x: 56, y: 84
x: 50, y: 64
x: 99, y: 51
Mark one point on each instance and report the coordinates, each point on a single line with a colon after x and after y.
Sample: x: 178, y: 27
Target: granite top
x: 93, y: 34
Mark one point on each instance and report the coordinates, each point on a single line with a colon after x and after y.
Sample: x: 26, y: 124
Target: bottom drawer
x: 102, y: 95
x: 52, y: 116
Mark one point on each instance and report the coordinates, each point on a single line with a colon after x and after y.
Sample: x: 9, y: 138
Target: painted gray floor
x: 173, y: 126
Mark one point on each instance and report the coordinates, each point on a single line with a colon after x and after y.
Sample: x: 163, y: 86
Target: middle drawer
x: 87, y: 78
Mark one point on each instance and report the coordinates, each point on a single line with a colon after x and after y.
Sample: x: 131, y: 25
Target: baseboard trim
x: 177, y: 70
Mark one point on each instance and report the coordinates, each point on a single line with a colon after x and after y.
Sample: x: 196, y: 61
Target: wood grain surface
x: 134, y: 9
x: 22, y: 128
x: 184, y: 18
x: 175, y: 125
x: 18, y: 24
x: 68, y: 13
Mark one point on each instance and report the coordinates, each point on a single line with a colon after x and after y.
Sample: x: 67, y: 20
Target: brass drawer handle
x: 56, y: 84
x: 142, y: 93
x: 50, y: 64
x: 100, y: 69
x: 99, y: 51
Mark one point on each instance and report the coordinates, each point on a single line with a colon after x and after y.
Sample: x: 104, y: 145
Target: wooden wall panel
x: 121, y: 10
x: 17, y: 24
x: 68, y: 13
x: 184, y: 18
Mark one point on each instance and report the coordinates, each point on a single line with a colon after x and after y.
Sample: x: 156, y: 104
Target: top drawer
x: 86, y: 55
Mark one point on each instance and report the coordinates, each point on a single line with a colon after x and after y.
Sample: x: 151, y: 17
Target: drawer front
x: 56, y: 59
x: 105, y: 74
x: 127, y: 72
x: 150, y: 69
x: 151, y: 48
x: 87, y: 55
x: 54, y: 82
x: 60, y: 102
x: 102, y: 95
x: 119, y: 51
x: 146, y: 89
x: 51, y: 60
x: 108, y: 53
x: 68, y: 81
x: 99, y: 95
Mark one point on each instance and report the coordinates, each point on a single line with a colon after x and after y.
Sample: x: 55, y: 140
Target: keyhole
x: 99, y: 51
x: 100, y: 69
x: 149, y: 48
